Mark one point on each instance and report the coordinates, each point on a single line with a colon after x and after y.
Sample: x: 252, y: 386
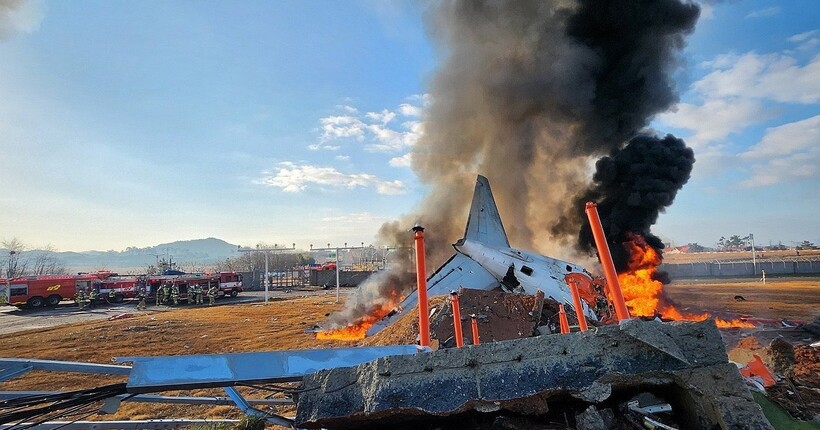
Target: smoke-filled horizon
x: 530, y: 94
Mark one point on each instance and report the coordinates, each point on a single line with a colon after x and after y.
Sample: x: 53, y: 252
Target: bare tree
x: 12, y: 261
x: 44, y: 262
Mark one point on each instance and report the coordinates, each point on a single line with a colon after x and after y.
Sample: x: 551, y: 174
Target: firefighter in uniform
x: 195, y: 294
x: 79, y: 297
x: 175, y: 294
x: 211, y: 295
x: 90, y: 296
x: 166, y: 293
x: 112, y: 295
x: 141, y: 296
x: 200, y: 292
x: 158, y: 294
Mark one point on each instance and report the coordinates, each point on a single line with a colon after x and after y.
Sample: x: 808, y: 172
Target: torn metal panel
x: 10, y: 367
x: 151, y: 398
x: 124, y: 425
x: 151, y: 374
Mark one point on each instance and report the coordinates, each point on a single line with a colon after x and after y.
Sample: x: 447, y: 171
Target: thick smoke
x: 632, y: 186
x: 19, y: 16
x: 529, y: 94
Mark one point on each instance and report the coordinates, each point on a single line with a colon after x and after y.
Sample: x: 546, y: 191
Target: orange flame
x: 644, y: 294
x: 357, y: 330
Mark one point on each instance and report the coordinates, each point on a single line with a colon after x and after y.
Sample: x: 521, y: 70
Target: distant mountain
x: 136, y: 260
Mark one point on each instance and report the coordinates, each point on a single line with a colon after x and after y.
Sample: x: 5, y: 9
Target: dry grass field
x: 701, y: 257
x: 282, y: 325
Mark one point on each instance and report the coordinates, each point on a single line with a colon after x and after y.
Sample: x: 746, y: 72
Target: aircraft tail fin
x: 484, y: 224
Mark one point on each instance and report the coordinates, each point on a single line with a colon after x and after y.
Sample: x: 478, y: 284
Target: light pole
x: 754, y: 258
x: 266, y: 251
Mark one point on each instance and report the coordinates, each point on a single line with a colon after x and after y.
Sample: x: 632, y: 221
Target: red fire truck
x: 49, y: 290
x: 228, y: 283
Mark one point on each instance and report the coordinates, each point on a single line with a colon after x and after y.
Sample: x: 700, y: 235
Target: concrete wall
x: 739, y: 270
x: 346, y: 278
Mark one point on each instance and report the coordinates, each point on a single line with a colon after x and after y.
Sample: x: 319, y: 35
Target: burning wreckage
x: 625, y: 374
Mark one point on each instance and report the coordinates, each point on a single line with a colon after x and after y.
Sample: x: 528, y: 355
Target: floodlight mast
x: 336, y: 250
x: 275, y: 248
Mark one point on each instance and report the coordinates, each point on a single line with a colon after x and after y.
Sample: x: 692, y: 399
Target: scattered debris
x: 120, y: 316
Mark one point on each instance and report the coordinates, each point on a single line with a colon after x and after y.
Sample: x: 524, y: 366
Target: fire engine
x: 228, y: 283
x: 50, y: 290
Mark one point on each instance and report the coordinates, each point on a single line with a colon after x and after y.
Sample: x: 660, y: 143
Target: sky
x: 139, y: 123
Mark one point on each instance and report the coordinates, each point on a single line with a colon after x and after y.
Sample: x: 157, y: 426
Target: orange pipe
x: 576, y: 301
x: 606, y: 261
x: 457, y: 320
x: 562, y: 318
x: 421, y: 280
x: 476, y: 340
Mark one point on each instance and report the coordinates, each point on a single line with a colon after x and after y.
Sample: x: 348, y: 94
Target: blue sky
x: 136, y: 123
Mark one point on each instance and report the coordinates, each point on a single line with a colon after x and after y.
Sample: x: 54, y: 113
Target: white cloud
x: 342, y: 157
x: 377, y: 127
x: 715, y: 119
x: 19, y: 17
x: 382, y: 117
x: 764, y: 13
x: 403, y: 161
x: 786, y: 152
x: 294, y: 178
x: 389, y: 140
x: 807, y: 41
x: 407, y: 109
x: 777, y: 77
x: 348, y: 108
x: 335, y: 127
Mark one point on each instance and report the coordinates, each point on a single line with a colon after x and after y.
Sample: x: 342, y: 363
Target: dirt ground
x: 285, y: 324
x: 795, y: 299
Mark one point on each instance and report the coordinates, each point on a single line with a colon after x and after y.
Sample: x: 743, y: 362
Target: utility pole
x: 336, y: 250
x: 275, y: 249
x: 754, y: 258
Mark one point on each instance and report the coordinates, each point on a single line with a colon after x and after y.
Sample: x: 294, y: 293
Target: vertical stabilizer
x: 484, y: 224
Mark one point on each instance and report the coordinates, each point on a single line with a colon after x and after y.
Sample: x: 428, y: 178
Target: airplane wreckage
x: 632, y: 374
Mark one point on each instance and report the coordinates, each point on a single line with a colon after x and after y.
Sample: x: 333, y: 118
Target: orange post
x: 576, y: 301
x: 474, y: 322
x: 459, y: 335
x: 562, y: 318
x: 606, y: 261
x: 421, y: 280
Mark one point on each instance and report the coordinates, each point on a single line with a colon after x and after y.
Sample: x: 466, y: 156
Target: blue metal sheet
x: 219, y: 370
x: 10, y: 364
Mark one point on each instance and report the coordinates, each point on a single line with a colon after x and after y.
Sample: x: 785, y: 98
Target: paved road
x: 14, y: 320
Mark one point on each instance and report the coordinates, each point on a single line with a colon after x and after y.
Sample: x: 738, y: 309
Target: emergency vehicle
x: 227, y: 283
x: 49, y: 290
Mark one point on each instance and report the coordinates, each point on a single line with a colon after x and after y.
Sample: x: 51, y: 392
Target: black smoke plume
x: 632, y: 186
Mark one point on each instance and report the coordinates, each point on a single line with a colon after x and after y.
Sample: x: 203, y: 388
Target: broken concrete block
x: 590, y: 419
x: 688, y: 368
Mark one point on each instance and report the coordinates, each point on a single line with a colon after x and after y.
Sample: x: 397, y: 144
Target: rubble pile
x: 797, y: 372
x: 500, y: 316
x: 640, y: 372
